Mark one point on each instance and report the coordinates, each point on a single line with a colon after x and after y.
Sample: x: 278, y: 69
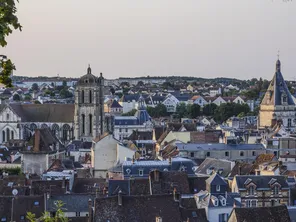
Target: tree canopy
x: 8, y: 23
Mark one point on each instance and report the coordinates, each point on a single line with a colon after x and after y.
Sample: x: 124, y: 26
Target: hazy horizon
x: 200, y: 38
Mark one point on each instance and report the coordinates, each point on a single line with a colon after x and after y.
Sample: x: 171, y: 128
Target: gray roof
x: 205, y: 199
x: 73, y: 202
x: 216, y: 165
x: 261, y: 182
x: 215, y: 179
x: 277, y: 89
x: 217, y: 146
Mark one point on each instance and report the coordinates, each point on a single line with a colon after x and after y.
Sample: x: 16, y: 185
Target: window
x: 218, y: 188
x: 251, y: 190
x: 253, y: 153
x: 223, y: 217
x: 82, y: 96
x: 241, y: 153
x: 208, y: 154
x: 289, y: 122
x: 83, y: 123
x: 126, y: 130
x: 251, y: 203
x: 3, y: 219
x: 7, y: 116
x: 77, y: 214
x: 273, y: 203
x: 226, y: 153
x: 22, y: 217
x: 192, y: 154
x: 141, y: 173
x: 276, y: 190
x: 90, y: 124
x: 120, y: 130
x: 36, y: 203
x: 90, y: 96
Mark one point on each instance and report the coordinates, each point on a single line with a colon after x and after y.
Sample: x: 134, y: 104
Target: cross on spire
x: 278, y: 55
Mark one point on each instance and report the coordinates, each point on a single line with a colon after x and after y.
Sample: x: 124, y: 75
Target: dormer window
x: 251, y: 190
x: 276, y: 190
x: 141, y: 172
x: 216, y: 202
x: 223, y: 202
x: 218, y: 188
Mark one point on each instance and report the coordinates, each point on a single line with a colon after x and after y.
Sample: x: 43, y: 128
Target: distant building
x: 278, y: 103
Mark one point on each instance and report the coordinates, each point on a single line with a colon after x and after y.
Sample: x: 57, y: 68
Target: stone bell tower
x: 89, y: 107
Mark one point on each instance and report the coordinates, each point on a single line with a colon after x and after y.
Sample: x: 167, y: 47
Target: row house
x: 202, y: 101
x: 261, y: 191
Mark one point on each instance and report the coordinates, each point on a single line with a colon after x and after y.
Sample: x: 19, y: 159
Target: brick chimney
x: 90, y: 210
x: 37, y: 141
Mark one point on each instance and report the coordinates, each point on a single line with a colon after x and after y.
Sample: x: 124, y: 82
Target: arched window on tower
x: 82, y: 96
x: 7, y: 134
x: 83, y: 123
x: 90, y: 124
x: 3, y: 136
x: 90, y: 96
x: 12, y: 134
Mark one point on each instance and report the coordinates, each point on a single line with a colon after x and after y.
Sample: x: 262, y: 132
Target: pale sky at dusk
x: 127, y: 38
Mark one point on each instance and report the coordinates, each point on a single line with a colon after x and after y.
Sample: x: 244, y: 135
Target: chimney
x: 104, y: 191
x: 226, y: 194
x: 158, y: 219
x: 176, y: 195
x: 90, y: 211
x: 37, y: 141
x: 120, y: 198
x: 133, y: 160
x: 156, y: 175
x: 170, y: 160
x: 64, y: 183
x: 239, y: 170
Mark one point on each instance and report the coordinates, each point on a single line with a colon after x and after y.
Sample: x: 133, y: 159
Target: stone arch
x: 33, y: 126
x: 44, y: 126
x: 66, y: 132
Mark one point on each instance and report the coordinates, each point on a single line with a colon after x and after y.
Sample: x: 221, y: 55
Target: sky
x: 131, y: 38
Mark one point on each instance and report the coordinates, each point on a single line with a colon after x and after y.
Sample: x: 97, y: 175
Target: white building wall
x: 213, y: 213
x: 104, y: 155
x: 123, y: 153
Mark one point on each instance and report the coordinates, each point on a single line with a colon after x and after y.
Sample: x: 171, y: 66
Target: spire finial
x: 88, y: 69
x: 278, y: 55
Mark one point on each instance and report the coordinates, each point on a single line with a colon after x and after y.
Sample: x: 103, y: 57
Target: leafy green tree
x: 8, y: 23
x: 158, y: 111
x: 37, y: 102
x: 64, y: 93
x: 209, y: 109
x: 16, y: 97
x: 193, y: 110
x: 181, y: 110
x: 130, y: 113
x: 64, y: 83
x: 46, y: 217
x: 35, y: 87
x: 227, y: 110
x: 27, y: 97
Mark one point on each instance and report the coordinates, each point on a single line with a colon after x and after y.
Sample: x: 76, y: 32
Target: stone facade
x: 89, y: 107
x: 278, y: 103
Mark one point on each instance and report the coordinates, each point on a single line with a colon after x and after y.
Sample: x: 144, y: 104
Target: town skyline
x: 137, y: 39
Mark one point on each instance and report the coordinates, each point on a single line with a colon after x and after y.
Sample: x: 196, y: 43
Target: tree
x: 193, y: 110
x: 181, y: 110
x: 209, y: 109
x: 37, y: 102
x: 130, y: 113
x: 64, y: 83
x: 35, y: 87
x: 27, y: 97
x: 16, y: 97
x: 158, y: 111
x: 8, y: 23
x: 227, y: 110
x: 59, y: 215
x: 64, y: 93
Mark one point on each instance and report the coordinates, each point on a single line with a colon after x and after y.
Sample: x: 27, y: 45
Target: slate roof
x: 277, y: 88
x: 261, y: 182
x: 53, y: 113
x: 242, y: 169
x: 205, y: 199
x: 23, y: 204
x: 218, y: 146
x: 215, y: 165
x: 215, y: 179
x: 137, y: 208
x: 259, y: 214
x: 73, y: 202
x: 114, y: 186
x: 88, y: 185
x: 55, y: 187
x: 115, y: 104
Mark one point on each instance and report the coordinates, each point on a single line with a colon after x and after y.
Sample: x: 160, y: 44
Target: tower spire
x: 88, y: 69
x: 278, y: 62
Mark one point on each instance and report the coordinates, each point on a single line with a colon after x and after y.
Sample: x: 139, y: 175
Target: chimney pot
x: 120, y: 198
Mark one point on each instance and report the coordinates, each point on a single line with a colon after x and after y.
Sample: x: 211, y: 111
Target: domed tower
x: 89, y: 106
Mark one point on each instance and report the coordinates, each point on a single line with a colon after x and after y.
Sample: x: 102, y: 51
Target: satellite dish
x: 14, y: 192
